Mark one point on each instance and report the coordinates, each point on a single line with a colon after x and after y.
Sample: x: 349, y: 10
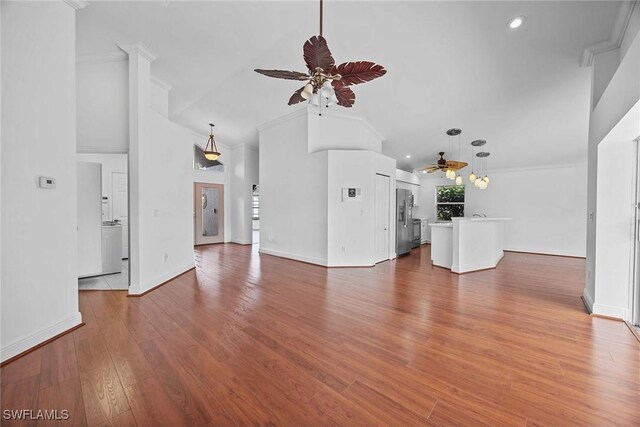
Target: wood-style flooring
x: 249, y: 339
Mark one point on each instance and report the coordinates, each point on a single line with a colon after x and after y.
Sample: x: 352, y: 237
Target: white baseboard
x: 547, y: 252
x: 242, y: 242
x: 588, y: 299
x: 610, y: 311
x: 41, y: 336
x: 303, y: 258
x: 150, y: 284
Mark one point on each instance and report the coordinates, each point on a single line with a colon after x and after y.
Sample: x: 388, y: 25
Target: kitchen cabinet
x: 424, y: 231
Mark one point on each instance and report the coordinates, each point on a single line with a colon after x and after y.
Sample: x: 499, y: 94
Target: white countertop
x: 441, y: 224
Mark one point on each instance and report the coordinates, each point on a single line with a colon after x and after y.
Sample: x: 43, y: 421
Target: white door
x: 209, y: 213
x: 120, y: 207
x: 381, y: 220
x: 89, y: 218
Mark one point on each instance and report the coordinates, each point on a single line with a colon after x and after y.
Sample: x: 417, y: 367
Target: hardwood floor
x: 250, y: 339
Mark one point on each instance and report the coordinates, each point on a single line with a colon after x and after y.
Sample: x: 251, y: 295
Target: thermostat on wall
x: 351, y: 194
x: 46, y: 182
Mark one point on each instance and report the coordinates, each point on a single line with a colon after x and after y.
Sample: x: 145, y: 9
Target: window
x: 449, y: 202
x: 202, y: 163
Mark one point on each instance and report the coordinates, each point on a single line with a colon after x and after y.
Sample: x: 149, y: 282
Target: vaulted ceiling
x: 449, y: 63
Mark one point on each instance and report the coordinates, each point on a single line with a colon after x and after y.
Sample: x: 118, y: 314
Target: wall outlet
x: 591, y: 216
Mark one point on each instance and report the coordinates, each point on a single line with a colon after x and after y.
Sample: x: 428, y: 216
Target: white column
x: 140, y: 58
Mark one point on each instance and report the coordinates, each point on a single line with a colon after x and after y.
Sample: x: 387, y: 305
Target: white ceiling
x: 449, y: 64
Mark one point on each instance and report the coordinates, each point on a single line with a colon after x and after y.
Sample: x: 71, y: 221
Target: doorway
x: 103, y: 235
x: 381, y: 217
x: 209, y: 213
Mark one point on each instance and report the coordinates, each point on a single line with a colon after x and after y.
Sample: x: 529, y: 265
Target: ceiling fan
x: 443, y: 164
x: 324, y: 78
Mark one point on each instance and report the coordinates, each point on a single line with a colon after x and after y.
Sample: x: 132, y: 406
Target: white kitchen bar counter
x: 467, y: 244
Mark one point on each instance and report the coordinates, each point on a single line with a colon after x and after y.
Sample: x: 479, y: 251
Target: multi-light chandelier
x: 452, y: 173
x: 479, y: 161
x: 480, y: 180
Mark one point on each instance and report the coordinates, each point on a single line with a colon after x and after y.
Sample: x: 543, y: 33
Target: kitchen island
x: 467, y: 244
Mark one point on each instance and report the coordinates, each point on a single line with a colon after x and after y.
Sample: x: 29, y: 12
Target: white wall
x: 335, y: 131
x: 615, y: 223
x: 110, y: 163
x: 293, y: 193
x: 546, y: 204
x: 166, y: 202
x: 103, y: 108
x: 620, y: 96
x: 350, y: 232
x: 39, y: 276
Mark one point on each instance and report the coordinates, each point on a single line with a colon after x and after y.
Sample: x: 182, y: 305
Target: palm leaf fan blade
x: 354, y: 73
x: 316, y: 54
x: 344, y: 94
x: 296, y: 97
x: 283, y: 74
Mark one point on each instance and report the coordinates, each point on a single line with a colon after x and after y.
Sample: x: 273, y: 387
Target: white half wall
x: 39, y: 283
x: 546, y: 206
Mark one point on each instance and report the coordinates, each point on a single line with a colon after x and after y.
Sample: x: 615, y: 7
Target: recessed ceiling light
x: 408, y: 156
x: 516, y: 22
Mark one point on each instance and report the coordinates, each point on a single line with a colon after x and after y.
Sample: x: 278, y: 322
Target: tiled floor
x: 108, y: 281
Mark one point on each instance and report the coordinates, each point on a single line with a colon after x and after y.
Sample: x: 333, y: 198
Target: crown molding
x: 139, y: 49
x: 77, y: 4
x: 161, y: 83
x: 282, y: 119
x: 617, y: 35
x: 100, y: 58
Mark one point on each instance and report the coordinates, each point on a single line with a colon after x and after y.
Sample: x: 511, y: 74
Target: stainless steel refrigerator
x: 404, y: 221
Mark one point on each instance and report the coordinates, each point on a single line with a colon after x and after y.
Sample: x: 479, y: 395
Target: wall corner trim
x: 139, y: 49
x: 161, y: 83
x: 282, y: 119
x: 77, y: 4
x: 617, y: 35
x: 29, y: 342
x: 587, y: 299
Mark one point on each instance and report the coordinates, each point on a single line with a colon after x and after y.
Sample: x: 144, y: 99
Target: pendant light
x: 482, y: 183
x: 474, y: 144
x: 211, y: 150
x: 451, y: 173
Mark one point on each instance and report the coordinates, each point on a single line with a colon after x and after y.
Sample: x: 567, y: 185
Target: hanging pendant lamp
x: 211, y: 150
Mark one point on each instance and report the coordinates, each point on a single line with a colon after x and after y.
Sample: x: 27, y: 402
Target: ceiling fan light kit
x: 326, y: 83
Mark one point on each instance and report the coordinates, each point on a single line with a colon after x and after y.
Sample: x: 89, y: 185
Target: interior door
x: 209, y: 213
x: 381, y: 213
x: 89, y: 218
x: 120, y: 207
